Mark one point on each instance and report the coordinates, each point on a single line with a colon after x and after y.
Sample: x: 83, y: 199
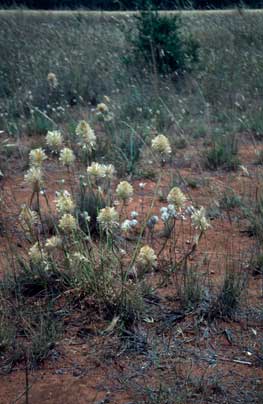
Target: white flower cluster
x: 103, y: 111
x: 64, y: 202
x: 54, y: 140
x: 98, y: 171
x: 128, y: 224
x: 199, y: 220
x: 36, y: 254
x: 108, y: 218
x: 86, y: 135
x: 124, y: 191
x: 168, y: 212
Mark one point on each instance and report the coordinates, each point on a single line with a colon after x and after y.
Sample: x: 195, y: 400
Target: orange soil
x: 83, y: 373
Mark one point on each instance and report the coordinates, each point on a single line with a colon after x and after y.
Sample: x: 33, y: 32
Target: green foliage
x: 222, y: 154
x: 192, y: 290
x: 229, y: 297
x: 43, y: 333
x: 7, y: 333
x: 230, y: 200
x: 159, y: 40
x: 39, y: 124
x: 28, y: 332
x: 89, y: 203
x: 259, y: 157
x: 257, y: 264
x: 33, y: 280
x: 254, y: 214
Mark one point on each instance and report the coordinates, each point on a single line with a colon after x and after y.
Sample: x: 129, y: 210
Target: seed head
x: 124, y: 191
x: 108, y: 218
x: 64, y: 202
x: 86, y: 135
x: 36, y: 254
x: 161, y: 145
x: 96, y: 170
x: 67, y: 157
x: 147, y: 257
x: 52, y: 80
x: 53, y: 243
x: 176, y: 197
x: 67, y: 223
x: 54, y: 140
x: 36, y: 157
x: 103, y: 108
x: 34, y: 177
x: 199, y: 220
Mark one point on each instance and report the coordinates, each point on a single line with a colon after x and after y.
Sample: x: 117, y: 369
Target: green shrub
x: 230, y: 200
x: 223, y: 153
x: 159, y: 40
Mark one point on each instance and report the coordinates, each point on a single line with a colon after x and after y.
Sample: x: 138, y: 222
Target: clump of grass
x: 254, y: 215
x: 257, y: 264
x: 230, y: 200
x: 43, y: 335
x: 28, y: 331
x: 7, y: 332
x: 192, y: 290
x: 89, y: 203
x: 230, y: 294
x: 222, y: 154
x: 259, y: 157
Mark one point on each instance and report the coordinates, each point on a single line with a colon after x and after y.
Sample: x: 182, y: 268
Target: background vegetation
x: 219, y: 91
x: 202, y: 89
x: 131, y: 4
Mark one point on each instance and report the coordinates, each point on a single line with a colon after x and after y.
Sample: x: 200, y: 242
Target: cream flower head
x: 36, y: 254
x: 109, y: 171
x: 67, y: 157
x: 34, y: 177
x: 36, y: 157
x: 54, y: 139
x: 147, y: 257
x: 86, y: 135
x: 96, y: 170
x: 103, y: 108
x: 124, y: 191
x: 53, y: 243
x: 28, y: 218
x: 67, y: 223
x: 161, y: 145
x: 199, y: 220
x: 106, y: 99
x: 176, y: 197
x: 64, y: 202
x: 52, y: 80
x: 108, y: 218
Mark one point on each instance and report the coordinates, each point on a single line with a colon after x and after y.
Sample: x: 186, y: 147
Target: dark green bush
x: 161, y: 44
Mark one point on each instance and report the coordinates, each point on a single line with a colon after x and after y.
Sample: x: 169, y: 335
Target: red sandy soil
x: 92, y: 369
